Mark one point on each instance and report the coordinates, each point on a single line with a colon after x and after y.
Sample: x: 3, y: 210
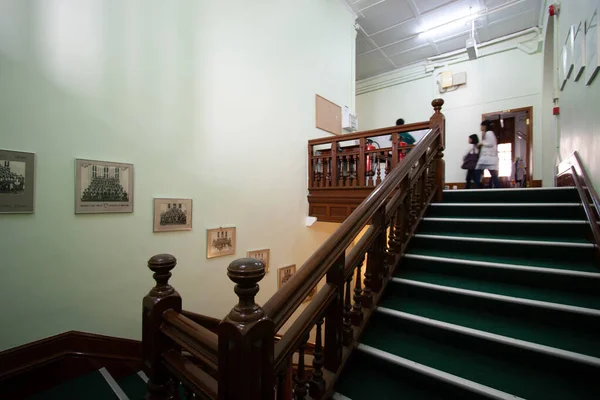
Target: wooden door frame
x: 528, y: 142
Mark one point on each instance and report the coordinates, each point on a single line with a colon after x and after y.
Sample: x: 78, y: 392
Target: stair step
x: 500, y: 339
x: 558, y: 328
x: 133, y: 386
x: 505, y: 368
x: 547, y: 279
x: 544, y: 230
x: 90, y: 386
x: 550, y: 211
x: 547, y: 255
x: 368, y: 377
x: 530, y: 195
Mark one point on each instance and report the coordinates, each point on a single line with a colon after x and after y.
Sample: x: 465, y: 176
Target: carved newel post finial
x: 161, y: 265
x: 246, y: 273
x: 437, y: 105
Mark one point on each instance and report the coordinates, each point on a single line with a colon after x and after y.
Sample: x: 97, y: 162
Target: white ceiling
x: 391, y: 31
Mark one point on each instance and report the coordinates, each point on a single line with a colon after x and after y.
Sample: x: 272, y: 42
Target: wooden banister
x: 241, y: 350
x: 417, y: 126
x: 197, y: 340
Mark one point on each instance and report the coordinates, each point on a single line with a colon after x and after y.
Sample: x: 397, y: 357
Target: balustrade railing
x: 239, y: 358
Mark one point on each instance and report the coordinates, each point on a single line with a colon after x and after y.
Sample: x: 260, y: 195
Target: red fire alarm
x: 553, y: 9
x: 556, y: 111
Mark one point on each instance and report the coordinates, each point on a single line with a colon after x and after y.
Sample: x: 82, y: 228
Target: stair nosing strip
x: 506, y: 204
x: 117, y: 390
x: 509, y: 221
x: 506, y: 241
x: 517, y: 267
x: 437, y: 374
x: 506, y: 340
x: 143, y: 375
x: 509, y: 299
x: 508, y: 189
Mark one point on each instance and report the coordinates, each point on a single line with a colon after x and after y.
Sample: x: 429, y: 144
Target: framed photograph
x: 17, y: 171
x: 262, y: 255
x: 579, y: 51
x: 284, y: 274
x: 103, y: 187
x: 220, y: 242
x: 172, y: 215
x: 592, y: 49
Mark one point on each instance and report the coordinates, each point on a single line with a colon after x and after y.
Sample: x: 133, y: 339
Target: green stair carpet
x: 521, y: 317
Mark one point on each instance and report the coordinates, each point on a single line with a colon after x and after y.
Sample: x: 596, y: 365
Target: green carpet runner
x: 498, y: 296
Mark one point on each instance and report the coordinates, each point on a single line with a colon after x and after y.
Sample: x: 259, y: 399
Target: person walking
x: 470, y: 162
x: 488, y: 155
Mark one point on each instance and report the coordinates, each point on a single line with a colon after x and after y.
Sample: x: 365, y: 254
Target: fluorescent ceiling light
x: 450, y: 23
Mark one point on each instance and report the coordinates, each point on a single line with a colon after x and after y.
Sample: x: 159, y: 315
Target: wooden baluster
x: 348, y: 334
x: 317, y: 172
x: 367, y: 297
x: 370, y: 174
x: 343, y: 169
x: 285, y: 385
x: 361, y: 163
x: 334, y: 164
x: 390, y: 259
x: 246, y: 341
x: 378, y: 161
x: 351, y: 170
x: 388, y: 164
x: 334, y: 316
x: 300, y: 384
x: 162, y: 297
x: 357, y: 314
x: 317, y: 383
x: 328, y: 167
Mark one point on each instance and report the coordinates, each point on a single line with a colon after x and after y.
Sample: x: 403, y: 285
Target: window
x: 117, y: 173
x: 106, y: 172
x: 94, y: 171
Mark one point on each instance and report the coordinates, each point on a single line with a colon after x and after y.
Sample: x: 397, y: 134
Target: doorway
x: 514, y: 131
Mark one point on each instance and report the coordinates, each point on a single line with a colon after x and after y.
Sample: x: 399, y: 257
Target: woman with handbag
x: 470, y: 163
x: 488, y: 154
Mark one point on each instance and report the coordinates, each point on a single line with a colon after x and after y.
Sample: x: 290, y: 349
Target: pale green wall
x: 579, y: 118
x: 212, y: 100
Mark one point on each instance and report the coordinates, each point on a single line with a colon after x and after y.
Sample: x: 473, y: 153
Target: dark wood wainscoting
x: 39, y: 365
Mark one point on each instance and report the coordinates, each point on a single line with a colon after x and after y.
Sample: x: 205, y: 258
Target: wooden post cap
x: 437, y: 104
x: 246, y: 273
x: 161, y: 265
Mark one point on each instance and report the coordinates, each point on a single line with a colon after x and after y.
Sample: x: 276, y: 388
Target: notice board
x: 328, y: 115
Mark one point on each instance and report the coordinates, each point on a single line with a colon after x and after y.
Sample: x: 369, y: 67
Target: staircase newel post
x: 246, y: 339
x: 162, y: 297
x: 438, y: 120
x: 334, y: 317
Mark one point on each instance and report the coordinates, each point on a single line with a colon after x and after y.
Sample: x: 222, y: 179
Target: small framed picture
x: 220, y: 242
x: 172, y: 215
x: 16, y: 182
x: 579, y: 51
x: 262, y: 255
x: 103, y: 187
x: 284, y: 274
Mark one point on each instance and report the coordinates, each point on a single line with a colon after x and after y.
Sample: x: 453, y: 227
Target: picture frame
x: 579, y: 52
x: 566, y: 59
x: 172, y: 214
x: 17, y: 182
x: 220, y: 242
x: 284, y: 274
x: 262, y: 255
x: 592, y: 49
x: 103, y: 187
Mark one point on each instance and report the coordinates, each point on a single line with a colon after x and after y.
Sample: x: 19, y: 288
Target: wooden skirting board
x: 39, y: 365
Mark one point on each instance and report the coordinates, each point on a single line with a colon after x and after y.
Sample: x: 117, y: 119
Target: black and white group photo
x: 172, y: 215
x: 103, y: 187
x: 12, y: 177
x: 221, y: 242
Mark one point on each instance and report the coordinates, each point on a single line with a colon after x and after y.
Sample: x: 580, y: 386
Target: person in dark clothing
x: 472, y: 173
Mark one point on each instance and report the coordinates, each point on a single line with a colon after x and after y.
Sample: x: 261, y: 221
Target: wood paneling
x: 45, y: 363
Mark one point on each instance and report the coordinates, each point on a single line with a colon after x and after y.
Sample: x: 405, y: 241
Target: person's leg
x: 477, y: 178
x: 494, y: 180
x: 470, y: 176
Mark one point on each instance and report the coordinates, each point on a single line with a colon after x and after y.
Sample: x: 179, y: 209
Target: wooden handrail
x: 417, y: 126
x: 195, y: 339
x: 190, y: 375
x: 286, y: 300
x: 241, y: 350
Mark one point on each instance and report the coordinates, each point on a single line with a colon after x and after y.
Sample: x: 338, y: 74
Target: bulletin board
x: 328, y: 116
